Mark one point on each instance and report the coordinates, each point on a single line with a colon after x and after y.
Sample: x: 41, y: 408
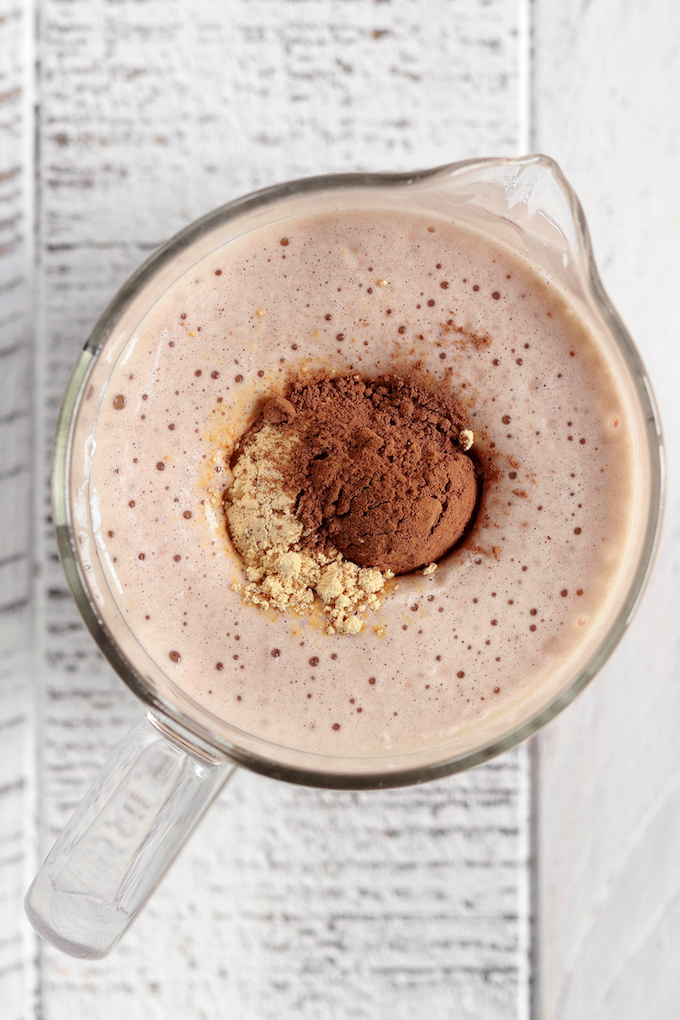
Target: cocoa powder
x: 378, y: 472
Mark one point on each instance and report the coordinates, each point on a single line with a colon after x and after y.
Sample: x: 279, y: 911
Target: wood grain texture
x: 16, y: 185
x: 607, y: 87
x: 299, y: 903
x: 288, y: 902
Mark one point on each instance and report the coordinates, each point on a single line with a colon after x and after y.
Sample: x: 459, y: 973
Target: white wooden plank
x: 16, y: 186
x: 299, y: 903
x: 289, y: 902
x: 608, y: 81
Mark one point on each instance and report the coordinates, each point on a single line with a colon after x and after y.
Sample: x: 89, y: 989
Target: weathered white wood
x: 289, y: 902
x: 299, y: 903
x: 16, y: 185
x: 607, y: 88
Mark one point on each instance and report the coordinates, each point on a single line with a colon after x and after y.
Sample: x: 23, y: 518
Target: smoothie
x: 366, y: 293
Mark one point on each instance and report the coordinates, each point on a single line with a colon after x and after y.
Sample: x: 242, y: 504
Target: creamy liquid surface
x: 365, y: 291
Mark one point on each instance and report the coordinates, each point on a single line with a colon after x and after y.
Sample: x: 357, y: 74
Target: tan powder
x: 279, y: 573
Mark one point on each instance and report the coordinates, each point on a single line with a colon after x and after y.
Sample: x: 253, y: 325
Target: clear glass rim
x: 189, y: 728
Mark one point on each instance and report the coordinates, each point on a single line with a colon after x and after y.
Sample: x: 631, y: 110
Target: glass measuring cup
x: 165, y: 773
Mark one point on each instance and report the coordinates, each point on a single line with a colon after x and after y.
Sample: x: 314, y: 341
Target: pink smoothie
x: 367, y: 291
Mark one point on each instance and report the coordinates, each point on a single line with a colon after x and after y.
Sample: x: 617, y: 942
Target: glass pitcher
x: 162, y: 777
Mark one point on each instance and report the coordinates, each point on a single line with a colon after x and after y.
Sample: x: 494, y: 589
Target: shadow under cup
x: 527, y: 205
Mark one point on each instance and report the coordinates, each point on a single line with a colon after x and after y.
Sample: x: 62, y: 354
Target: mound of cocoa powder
x: 378, y: 471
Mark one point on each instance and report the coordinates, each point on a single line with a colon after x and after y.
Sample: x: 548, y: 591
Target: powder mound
x: 342, y: 485
x: 280, y: 572
x: 380, y: 472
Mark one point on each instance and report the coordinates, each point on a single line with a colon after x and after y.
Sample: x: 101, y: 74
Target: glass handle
x: 121, y: 840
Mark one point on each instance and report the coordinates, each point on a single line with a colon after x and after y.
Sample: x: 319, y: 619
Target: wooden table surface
x: 545, y: 884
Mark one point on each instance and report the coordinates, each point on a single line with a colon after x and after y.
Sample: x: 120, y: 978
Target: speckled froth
x: 366, y: 291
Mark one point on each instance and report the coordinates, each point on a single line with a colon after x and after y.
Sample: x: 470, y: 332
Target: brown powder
x: 380, y: 472
x: 342, y: 485
x: 466, y: 337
